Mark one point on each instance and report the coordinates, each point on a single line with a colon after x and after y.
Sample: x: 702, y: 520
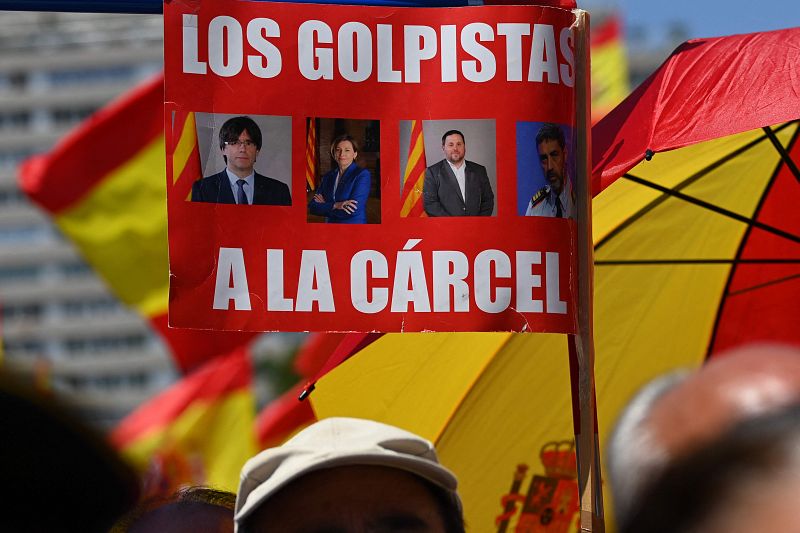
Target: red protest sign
x: 343, y: 168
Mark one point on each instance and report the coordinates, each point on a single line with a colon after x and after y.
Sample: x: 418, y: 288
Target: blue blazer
x: 217, y: 189
x: 353, y: 185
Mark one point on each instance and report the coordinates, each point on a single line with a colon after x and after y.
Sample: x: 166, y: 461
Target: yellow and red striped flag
x: 414, y: 176
x: 610, y: 80
x: 199, y: 431
x: 311, y: 155
x: 104, y: 185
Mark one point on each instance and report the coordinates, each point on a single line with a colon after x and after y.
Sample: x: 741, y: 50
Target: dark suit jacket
x: 353, y: 185
x: 442, y: 194
x: 217, y: 189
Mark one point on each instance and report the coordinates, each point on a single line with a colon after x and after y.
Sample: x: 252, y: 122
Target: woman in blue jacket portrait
x: 342, y: 194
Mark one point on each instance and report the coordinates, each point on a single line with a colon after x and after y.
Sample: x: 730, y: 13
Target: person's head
x: 240, y: 142
x: 348, y: 475
x: 744, y: 481
x: 189, y: 510
x: 552, y: 151
x: 633, y: 455
x: 344, y: 150
x: 691, y: 410
x: 454, y: 146
x: 57, y: 473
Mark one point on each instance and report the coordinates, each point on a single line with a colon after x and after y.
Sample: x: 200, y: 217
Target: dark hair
x: 211, y: 496
x: 550, y: 132
x: 449, y: 507
x: 341, y: 138
x: 233, y: 128
x: 693, y: 488
x: 185, y: 498
x: 448, y: 133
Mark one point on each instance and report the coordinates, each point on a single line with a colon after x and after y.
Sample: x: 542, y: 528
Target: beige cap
x: 334, y: 442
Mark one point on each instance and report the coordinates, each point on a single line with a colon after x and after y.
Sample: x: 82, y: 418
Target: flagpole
x: 582, y: 344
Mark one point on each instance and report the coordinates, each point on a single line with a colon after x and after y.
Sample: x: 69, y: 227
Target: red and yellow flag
x: 414, y: 176
x: 283, y: 417
x: 610, y: 80
x: 199, y: 431
x: 104, y: 185
x: 311, y: 155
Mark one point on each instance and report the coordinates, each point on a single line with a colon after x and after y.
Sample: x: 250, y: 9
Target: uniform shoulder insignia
x: 540, y: 195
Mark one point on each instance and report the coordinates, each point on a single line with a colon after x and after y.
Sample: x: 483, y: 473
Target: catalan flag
x: 414, y: 176
x: 610, y: 81
x: 104, y: 185
x: 311, y: 155
x: 199, y: 431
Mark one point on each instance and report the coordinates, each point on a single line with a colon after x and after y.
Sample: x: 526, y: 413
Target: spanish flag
x: 282, y: 418
x: 319, y: 354
x: 199, y: 431
x: 104, y: 185
x: 414, y: 176
x: 610, y: 79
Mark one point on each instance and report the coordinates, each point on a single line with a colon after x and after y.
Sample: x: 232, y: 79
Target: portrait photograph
x: 448, y: 168
x: 545, y: 170
x: 343, y: 171
x: 245, y: 159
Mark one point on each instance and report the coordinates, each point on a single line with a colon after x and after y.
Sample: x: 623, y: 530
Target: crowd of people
x: 712, y: 450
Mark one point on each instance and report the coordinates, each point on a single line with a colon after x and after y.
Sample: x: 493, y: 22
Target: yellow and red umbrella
x: 696, y: 250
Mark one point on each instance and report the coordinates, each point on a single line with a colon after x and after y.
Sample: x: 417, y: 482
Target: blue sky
x: 703, y: 18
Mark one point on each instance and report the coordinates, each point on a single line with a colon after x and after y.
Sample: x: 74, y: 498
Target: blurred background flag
x: 282, y: 417
x: 610, y: 80
x: 199, y: 431
x: 104, y: 185
x: 411, y: 204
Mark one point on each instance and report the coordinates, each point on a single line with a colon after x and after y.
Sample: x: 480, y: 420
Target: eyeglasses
x: 236, y: 144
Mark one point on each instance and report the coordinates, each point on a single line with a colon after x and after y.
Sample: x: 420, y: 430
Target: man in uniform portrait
x: 554, y: 199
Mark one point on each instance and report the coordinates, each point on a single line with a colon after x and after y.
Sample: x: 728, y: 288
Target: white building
x: 58, y: 319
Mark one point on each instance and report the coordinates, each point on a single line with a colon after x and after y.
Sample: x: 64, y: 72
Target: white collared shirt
x: 248, y: 187
x: 461, y: 177
x: 547, y: 206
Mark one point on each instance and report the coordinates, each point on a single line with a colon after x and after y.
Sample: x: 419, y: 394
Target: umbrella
x: 666, y: 297
x: 696, y: 250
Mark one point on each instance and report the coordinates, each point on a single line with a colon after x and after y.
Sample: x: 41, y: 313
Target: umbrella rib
x: 712, y: 342
x: 782, y: 151
x: 765, y: 284
x: 711, y: 207
x: 685, y: 183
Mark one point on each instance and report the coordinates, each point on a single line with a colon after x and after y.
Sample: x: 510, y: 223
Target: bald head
x: 677, y: 414
x: 737, y: 384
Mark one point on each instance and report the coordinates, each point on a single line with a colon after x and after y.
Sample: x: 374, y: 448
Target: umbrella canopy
x: 696, y: 250
x: 675, y: 282
x: 706, y: 89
